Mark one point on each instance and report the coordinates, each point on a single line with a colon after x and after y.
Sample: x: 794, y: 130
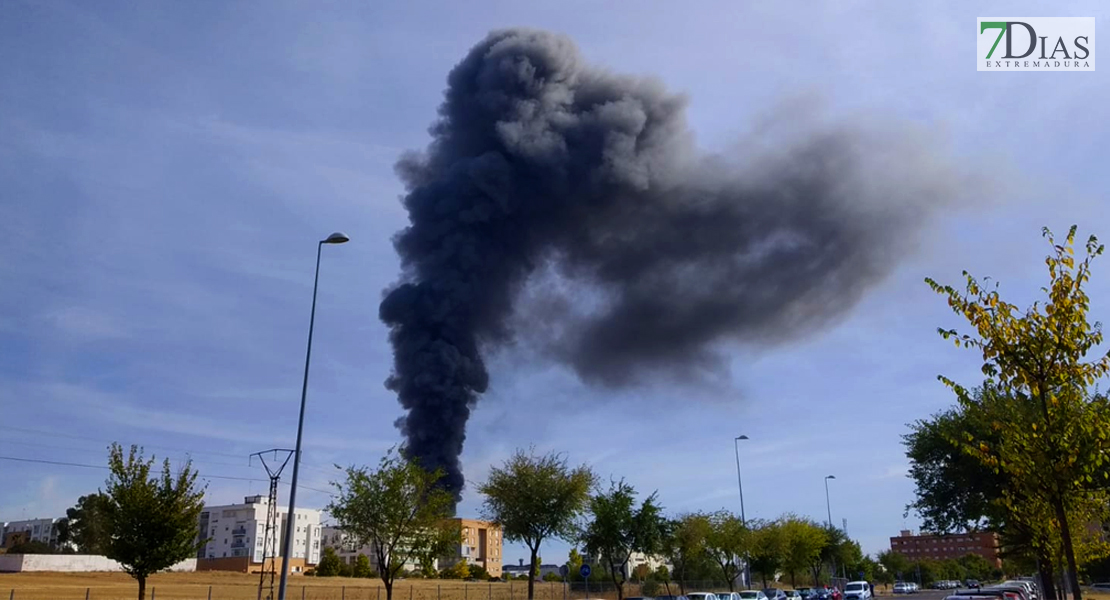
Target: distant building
x: 32, y: 530
x: 481, y: 545
x: 236, y: 532
x: 522, y: 569
x: 941, y: 547
x: 347, y: 550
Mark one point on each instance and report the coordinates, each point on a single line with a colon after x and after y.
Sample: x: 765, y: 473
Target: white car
x: 702, y: 596
x: 752, y: 595
x: 902, y: 587
x: 857, y: 590
x: 727, y: 595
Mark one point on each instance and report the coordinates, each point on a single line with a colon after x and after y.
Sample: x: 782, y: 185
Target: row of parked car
x: 1014, y: 589
x: 855, y: 590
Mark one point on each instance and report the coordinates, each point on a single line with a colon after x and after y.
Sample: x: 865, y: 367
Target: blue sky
x: 166, y: 169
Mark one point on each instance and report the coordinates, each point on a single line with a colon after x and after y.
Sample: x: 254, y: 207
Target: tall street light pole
x: 743, y: 517
x: 291, y: 518
x: 828, y: 506
x: 739, y: 481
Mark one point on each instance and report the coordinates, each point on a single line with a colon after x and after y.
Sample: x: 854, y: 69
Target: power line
x: 324, y: 470
x: 201, y: 475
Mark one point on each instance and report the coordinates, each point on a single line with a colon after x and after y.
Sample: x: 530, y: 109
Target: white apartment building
x: 37, y: 530
x: 347, y: 551
x: 238, y: 531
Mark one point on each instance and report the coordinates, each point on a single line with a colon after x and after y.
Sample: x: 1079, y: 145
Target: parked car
x: 1013, y: 592
x: 793, y: 595
x: 752, y: 595
x: 902, y: 587
x: 727, y: 595
x: 1029, y: 586
x: 857, y: 590
x: 972, y: 584
x: 805, y: 592
x: 774, y: 594
x: 671, y: 598
x: 702, y: 596
x: 821, y: 593
x: 1101, y: 587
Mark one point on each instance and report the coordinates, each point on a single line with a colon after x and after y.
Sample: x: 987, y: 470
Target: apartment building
x: 942, y: 547
x: 481, y: 545
x: 347, y: 549
x: 31, y: 530
x: 236, y: 537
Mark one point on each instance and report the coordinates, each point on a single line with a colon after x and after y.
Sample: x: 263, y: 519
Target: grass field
x: 239, y: 586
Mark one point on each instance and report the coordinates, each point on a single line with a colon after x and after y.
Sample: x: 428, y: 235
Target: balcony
x: 240, y: 530
x: 238, y: 544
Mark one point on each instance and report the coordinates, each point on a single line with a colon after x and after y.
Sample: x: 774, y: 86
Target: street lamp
x: 291, y: 518
x: 740, y: 483
x: 828, y: 506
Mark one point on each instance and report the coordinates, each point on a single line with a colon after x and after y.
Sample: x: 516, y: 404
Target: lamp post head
x: 336, y: 238
x: 741, y: 437
x: 830, y: 477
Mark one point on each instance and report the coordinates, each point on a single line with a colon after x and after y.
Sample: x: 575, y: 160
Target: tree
x: 398, y: 510
x: 534, y: 498
x: 329, y: 565
x: 552, y: 577
x: 802, y: 545
x: 362, y: 567
x: 684, y: 546
x: 459, y: 570
x: 151, y: 520
x: 574, y: 564
x: 618, y: 528
x: 84, y: 525
x: 1052, y: 439
x: 479, y: 572
x: 727, y: 543
x: 641, y: 573
x: 768, y: 550
x: 894, y: 563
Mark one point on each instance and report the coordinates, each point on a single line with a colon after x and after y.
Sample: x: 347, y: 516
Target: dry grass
x: 239, y: 586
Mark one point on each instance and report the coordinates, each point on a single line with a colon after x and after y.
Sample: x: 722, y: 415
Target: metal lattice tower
x: 269, y: 539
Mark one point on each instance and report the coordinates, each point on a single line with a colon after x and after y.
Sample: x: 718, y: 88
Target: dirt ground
x: 239, y: 586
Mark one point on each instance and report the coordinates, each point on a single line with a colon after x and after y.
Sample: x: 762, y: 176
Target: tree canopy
x: 151, y: 519
x: 534, y: 498
x: 1048, y: 435
x: 398, y: 510
x: 618, y: 528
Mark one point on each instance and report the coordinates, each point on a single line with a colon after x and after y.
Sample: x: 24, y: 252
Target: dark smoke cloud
x: 539, y: 161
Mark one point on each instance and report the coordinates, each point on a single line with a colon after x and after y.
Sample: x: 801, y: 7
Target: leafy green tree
x: 398, y: 510
x: 768, y: 550
x: 574, y: 563
x: 802, y: 540
x: 956, y: 491
x: 362, y: 567
x: 329, y: 564
x: 479, y: 572
x: 552, y: 577
x: 727, y: 542
x: 534, y: 498
x: 618, y: 528
x: 684, y: 546
x: 641, y: 573
x: 84, y: 525
x: 151, y: 520
x: 1052, y: 438
x: 894, y: 563
x: 459, y: 570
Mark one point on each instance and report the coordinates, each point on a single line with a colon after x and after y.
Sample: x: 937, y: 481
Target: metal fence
x: 352, y: 589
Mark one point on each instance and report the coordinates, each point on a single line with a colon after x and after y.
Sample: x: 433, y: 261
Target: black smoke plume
x: 539, y: 161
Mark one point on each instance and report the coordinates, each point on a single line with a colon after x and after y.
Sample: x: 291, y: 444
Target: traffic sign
x: 584, y: 571
x: 564, y: 571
